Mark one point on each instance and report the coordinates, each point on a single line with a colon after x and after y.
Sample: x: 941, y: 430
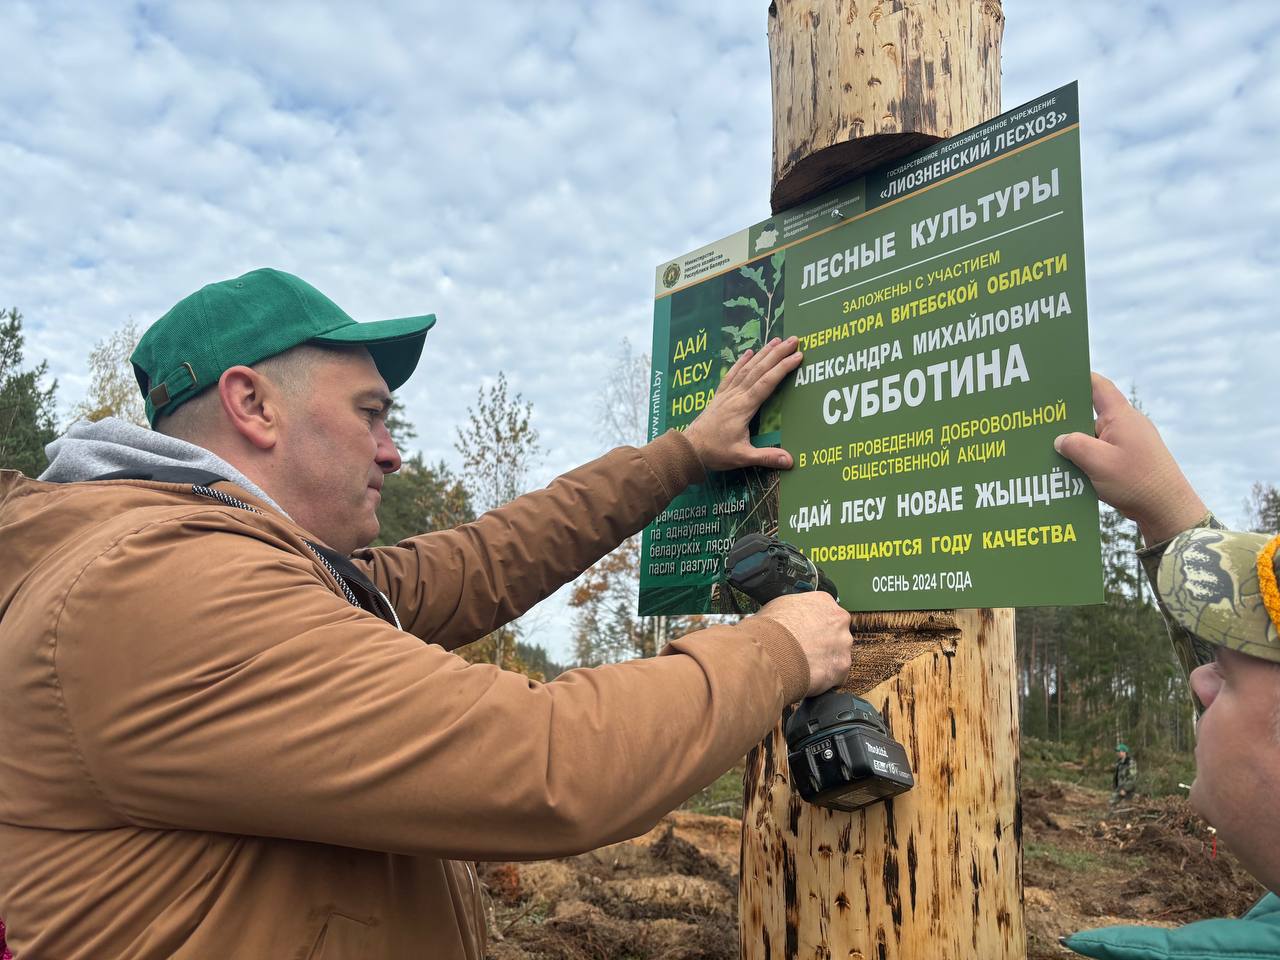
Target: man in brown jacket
x: 221, y: 732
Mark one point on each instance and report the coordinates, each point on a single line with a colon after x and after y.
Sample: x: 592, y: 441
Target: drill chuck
x: 765, y: 568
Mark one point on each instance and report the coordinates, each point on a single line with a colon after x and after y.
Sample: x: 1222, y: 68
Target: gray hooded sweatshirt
x: 89, y: 450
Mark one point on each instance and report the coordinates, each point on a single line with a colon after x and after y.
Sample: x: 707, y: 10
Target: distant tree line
x: 28, y: 417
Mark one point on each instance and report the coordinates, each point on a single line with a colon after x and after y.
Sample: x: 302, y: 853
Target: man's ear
x: 251, y: 404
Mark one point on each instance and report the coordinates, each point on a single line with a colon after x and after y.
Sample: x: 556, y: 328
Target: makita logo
x: 878, y: 751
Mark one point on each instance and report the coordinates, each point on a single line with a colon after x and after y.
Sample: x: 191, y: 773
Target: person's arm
x: 1190, y: 649
x: 455, y: 586
x: 213, y: 681
x: 1132, y: 470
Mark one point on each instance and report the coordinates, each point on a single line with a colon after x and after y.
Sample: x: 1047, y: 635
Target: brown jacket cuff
x: 785, y: 652
x: 672, y: 458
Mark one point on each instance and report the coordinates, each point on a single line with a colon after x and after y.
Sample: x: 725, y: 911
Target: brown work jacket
x: 206, y: 750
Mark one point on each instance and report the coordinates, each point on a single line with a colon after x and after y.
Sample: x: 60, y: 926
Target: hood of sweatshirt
x: 89, y: 450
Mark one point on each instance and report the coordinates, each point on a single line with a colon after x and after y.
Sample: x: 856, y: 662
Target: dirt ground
x: 1151, y: 861
x: 672, y: 894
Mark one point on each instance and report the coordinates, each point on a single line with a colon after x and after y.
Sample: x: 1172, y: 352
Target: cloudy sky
x: 519, y: 169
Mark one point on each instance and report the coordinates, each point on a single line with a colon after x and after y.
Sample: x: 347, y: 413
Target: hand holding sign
x: 1131, y: 468
x: 720, y: 434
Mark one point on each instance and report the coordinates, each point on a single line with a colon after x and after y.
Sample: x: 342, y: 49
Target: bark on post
x: 937, y: 872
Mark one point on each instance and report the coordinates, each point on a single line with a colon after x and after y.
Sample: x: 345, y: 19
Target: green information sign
x: 940, y: 305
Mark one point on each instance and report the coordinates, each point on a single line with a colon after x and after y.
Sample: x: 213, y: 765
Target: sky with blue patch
x: 519, y: 169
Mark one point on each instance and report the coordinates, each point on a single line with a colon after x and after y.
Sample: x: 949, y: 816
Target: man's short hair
x: 290, y: 371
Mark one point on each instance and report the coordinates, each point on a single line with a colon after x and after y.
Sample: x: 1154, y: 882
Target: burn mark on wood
x: 791, y: 904
x: 813, y: 75
x: 882, y: 948
x: 914, y: 732
x: 952, y: 714
x: 751, y: 777
x: 912, y: 103
x: 955, y: 851
x: 890, y: 827
x: 892, y: 895
x: 842, y: 901
x: 842, y: 843
x: 794, y: 805
x: 977, y: 891
x: 768, y: 768
x: 912, y: 863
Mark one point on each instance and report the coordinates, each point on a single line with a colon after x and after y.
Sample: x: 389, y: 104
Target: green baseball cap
x: 1208, y: 580
x: 1122, y: 748
x: 243, y: 321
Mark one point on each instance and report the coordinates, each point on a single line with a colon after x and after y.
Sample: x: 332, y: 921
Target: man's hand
x: 720, y: 433
x: 1131, y: 468
x: 822, y: 629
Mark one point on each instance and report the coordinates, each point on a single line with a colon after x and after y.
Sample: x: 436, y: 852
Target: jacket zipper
x: 231, y: 501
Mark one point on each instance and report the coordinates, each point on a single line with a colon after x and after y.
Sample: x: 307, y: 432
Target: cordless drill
x: 839, y: 749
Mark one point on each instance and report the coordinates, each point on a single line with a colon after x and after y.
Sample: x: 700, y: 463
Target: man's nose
x: 1205, y: 683
x: 387, y: 457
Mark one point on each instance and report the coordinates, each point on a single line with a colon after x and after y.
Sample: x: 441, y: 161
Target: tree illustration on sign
x: 761, y: 315
x: 758, y: 305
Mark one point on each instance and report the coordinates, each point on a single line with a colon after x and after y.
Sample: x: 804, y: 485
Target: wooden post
x: 857, y: 83
x: 937, y: 872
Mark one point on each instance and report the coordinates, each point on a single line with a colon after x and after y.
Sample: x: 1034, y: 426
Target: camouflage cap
x: 1209, y: 581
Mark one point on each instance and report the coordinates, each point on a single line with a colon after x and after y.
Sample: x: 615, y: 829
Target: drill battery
x: 839, y: 749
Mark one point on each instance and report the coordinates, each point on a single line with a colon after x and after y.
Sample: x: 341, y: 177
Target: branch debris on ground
x: 672, y: 894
